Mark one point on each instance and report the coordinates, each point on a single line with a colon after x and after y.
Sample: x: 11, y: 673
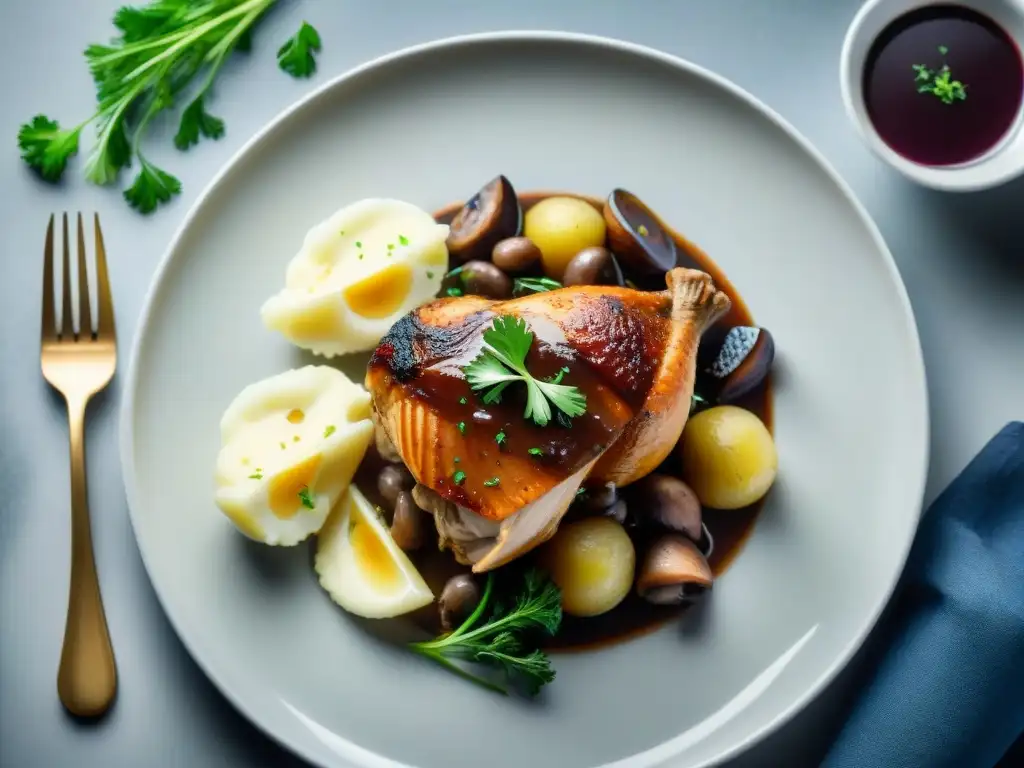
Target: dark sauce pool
x: 729, y: 529
x: 943, y: 125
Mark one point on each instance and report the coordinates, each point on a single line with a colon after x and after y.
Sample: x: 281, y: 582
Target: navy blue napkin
x: 948, y: 691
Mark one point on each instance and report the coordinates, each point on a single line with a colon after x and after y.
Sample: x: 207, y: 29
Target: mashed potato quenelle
x: 357, y: 273
x: 290, y: 445
x: 361, y: 566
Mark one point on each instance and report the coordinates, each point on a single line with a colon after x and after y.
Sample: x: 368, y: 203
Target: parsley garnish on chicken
x: 503, y: 361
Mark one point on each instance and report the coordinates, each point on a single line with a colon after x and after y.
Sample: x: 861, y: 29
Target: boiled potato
x: 592, y: 562
x: 729, y: 457
x: 562, y: 227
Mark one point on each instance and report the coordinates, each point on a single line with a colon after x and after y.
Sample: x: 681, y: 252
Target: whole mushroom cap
x: 673, y: 572
x: 459, y: 597
x: 409, y: 525
x: 669, y: 503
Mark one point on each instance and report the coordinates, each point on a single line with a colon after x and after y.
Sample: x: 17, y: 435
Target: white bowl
x: 1000, y: 164
x: 553, y: 111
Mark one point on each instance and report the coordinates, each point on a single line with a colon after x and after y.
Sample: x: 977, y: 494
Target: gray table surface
x: 959, y: 256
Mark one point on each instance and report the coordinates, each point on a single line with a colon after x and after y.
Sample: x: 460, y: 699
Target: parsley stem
x: 437, y: 657
x: 481, y: 606
x: 219, y: 52
x: 491, y: 628
x: 193, y: 35
x: 152, y: 107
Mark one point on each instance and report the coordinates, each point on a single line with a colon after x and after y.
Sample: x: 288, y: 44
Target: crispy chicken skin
x: 632, y: 353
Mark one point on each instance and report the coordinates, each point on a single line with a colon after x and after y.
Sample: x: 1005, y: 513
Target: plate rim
x: 525, y: 36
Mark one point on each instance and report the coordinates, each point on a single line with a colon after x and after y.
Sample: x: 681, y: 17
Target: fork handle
x: 87, y: 678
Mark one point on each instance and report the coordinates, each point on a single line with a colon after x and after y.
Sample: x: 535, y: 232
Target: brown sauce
x: 729, y: 529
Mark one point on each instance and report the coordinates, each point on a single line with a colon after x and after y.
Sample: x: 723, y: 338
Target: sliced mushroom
x: 673, y: 572
x: 408, y: 526
x: 458, y: 599
x: 734, y: 361
x: 637, y: 236
x: 488, y: 217
x: 668, y: 502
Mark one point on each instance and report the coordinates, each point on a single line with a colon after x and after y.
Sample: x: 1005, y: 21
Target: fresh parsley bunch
x: 162, y: 49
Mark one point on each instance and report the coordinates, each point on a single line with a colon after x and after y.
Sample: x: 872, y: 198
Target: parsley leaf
x: 306, y: 498
x: 46, y: 147
x: 502, y: 361
x: 152, y: 186
x: 296, y: 56
x: 196, y: 122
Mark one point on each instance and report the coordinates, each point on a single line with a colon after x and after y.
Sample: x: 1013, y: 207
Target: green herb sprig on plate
x: 503, y: 362
x: 502, y: 640
x: 164, y: 48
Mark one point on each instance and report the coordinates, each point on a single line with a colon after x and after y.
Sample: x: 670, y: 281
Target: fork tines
x: 87, y: 331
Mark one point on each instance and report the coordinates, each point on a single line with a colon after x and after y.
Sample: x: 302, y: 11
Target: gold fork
x: 78, y: 365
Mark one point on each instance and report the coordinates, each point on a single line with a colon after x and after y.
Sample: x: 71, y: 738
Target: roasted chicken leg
x: 631, y: 353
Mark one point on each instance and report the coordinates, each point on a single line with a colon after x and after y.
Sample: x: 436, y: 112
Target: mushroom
x: 673, y: 572
x: 593, y: 266
x: 599, y: 501
x: 489, y: 216
x: 670, y: 503
x: 733, y: 362
x: 637, y: 236
x: 706, y: 545
x: 515, y: 254
x: 407, y: 526
x: 392, y: 480
x: 599, y: 498
x: 617, y: 512
x: 458, y: 599
x: 481, y: 278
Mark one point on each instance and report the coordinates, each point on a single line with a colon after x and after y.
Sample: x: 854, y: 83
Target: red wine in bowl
x: 943, y: 85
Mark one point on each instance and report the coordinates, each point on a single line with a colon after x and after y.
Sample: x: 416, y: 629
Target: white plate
x: 552, y: 111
